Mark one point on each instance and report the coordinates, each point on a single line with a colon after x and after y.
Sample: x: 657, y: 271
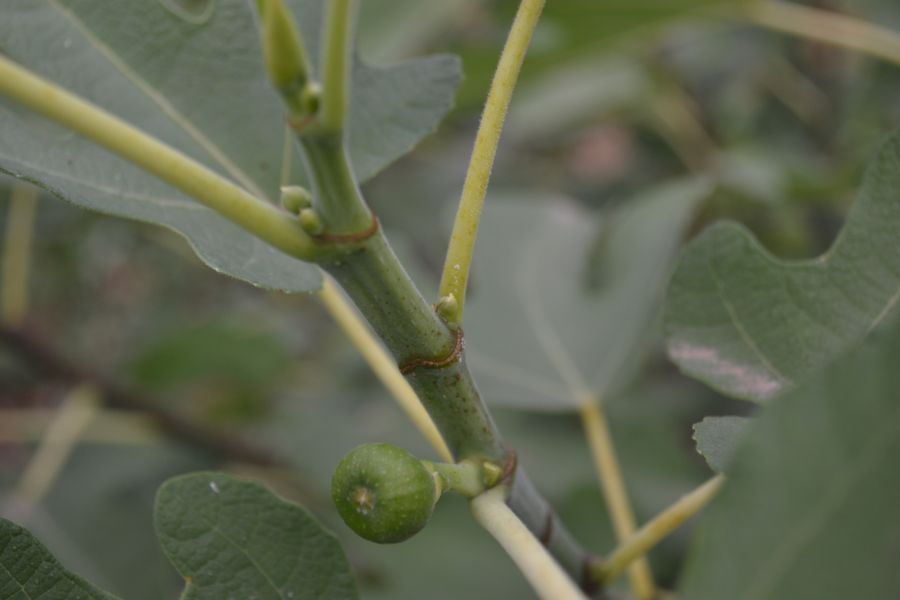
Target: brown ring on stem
x: 302, y: 123
x: 349, y: 238
x: 454, y: 356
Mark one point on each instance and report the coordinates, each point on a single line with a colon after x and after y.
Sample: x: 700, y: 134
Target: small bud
x: 310, y: 221
x: 447, y: 307
x: 295, y: 198
x: 309, y: 97
x: 383, y: 493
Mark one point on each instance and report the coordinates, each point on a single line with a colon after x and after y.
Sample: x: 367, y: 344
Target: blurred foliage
x: 782, y: 125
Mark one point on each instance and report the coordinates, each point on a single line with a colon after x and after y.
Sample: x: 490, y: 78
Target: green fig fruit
x: 383, y: 493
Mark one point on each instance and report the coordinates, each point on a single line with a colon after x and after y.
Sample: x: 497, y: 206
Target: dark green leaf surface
x: 29, y: 572
x: 565, y: 309
x: 753, y: 326
x: 234, y: 539
x: 811, y: 506
x: 717, y: 439
x: 194, y: 80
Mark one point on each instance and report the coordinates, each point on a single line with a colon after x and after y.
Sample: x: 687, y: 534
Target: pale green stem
x: 72, y: 417
x: 455, y: 276
x: 656, y: 530
x: 234, y: 203
x: 17, y: 254
x: 335, y: 68
x: 614, y: 491
x: 465, y: 478
x: 828, y: 28
x: 542, y: 572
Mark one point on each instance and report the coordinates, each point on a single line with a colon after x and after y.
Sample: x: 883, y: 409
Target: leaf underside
x: 562, y: 301
x: 195, y: 80
x: 753, y: 326
x: 810, y: 505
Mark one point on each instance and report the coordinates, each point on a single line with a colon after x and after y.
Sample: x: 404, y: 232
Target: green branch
x: 429, y: 352
x: 234, y: 203
x: 381, y: 364
x: 455, y: 276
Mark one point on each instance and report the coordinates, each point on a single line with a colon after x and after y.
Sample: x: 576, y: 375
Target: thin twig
x: 539, y: 568
x: 455, y: 276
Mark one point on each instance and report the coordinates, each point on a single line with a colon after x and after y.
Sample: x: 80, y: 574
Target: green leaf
x: 810, y: 506
x: 561, y: 309
x: 234, y: 539
x: 28, y: 571
x: 717, y: 439
x: 752, y: 325
x: 196, y: 81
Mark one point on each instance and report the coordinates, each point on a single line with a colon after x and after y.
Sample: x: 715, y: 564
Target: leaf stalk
x: 455, y: 276
x: 614, y: 490
x: 542, y: 572
x: 175, y: 168
x: 656, y: 530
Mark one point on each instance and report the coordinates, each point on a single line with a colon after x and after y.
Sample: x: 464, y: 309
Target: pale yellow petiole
x: 656, y: 530
x: 182, y: 172
x: 465, y: 229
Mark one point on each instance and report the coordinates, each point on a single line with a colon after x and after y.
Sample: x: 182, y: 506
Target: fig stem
x: 465, y: 478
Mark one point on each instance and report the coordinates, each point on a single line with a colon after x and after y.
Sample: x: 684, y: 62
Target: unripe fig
x: 383, y: 493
